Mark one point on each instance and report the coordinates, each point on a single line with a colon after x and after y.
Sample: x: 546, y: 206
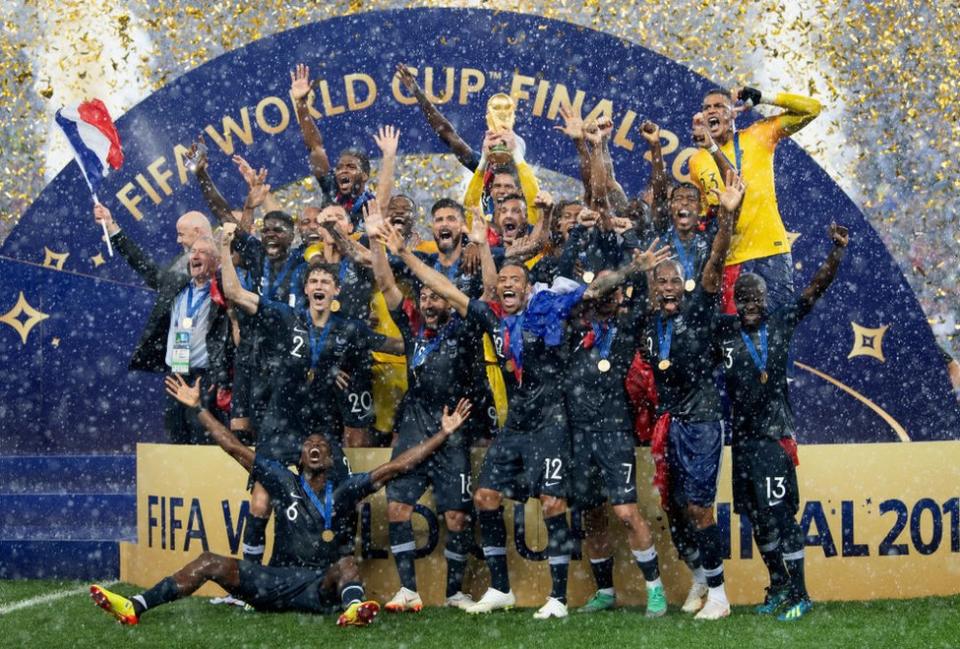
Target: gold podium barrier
x: 882, y: 521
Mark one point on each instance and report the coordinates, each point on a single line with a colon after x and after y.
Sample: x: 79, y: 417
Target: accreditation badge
x: 181, y: 351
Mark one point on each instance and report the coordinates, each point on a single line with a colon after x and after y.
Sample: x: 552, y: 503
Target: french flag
x: 93, y: 137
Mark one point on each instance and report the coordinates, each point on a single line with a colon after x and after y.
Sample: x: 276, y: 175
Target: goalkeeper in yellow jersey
x: 760, y: 244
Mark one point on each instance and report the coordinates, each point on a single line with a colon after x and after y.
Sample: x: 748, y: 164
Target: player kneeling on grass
x: 311, y: 590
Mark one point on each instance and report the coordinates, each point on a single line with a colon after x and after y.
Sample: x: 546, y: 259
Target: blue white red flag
x: 94, y: 139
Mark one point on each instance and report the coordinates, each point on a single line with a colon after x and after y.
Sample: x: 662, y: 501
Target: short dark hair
x: 719, y: 91
x: 683, y: 185
x: 562, y: 205
x: 516, y: 261
x: 506, y: 168
x: 278, y: 215
x: 406, y: 198
x: 361, y: 157
x: 320, y: 266
x: 447, y: 203
x: 513, y: 197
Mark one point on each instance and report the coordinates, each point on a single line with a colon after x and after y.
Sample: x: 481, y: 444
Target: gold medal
x: 629, y: 291
x: 663, y: 364
x: 327, y: 536
x: 334, y: 305
x: 511, y: 366
x: 588, y: 277
x: 763, y: 376
x: 311, y: 375
x: 689, y: 285
x: 187, y: 323
x: 603, y: 365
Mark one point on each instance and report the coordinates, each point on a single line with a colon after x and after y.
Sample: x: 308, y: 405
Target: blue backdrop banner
x: 868, y: 369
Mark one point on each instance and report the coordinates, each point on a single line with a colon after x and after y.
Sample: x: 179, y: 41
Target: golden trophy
x: 501, y: 115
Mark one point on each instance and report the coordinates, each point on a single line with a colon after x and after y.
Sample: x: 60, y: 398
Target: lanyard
x: 737, y: 153
x: 324, y: 509
x: 426, y: 346
x: 664, y: 338
x: 603, y: 335
x: 684, y: 255
x: 344, y: 264
x: 316, y: 342
x: 275, y: 282
x: 203, y: 295
x: 759, y: 358
x: 512, y: 330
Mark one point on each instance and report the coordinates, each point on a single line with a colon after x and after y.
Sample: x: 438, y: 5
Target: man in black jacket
x: 187, y: 331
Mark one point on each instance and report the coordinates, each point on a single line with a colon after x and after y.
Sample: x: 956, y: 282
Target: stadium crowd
x: 560, y: 334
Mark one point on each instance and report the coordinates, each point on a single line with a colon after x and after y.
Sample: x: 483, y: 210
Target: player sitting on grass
x: 322, y: 506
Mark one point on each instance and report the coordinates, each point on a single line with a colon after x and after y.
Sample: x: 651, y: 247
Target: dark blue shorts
x: 447, y: 471
x: 525, y: 465
x: 694, y: 451
x: 285, y: 589
x: 604, y: 468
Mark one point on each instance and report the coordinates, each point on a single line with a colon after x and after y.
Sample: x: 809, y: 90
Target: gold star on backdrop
x: 97, y: 260
x: 868, y: 341
x: 53, y: 259
x: 22, y: 307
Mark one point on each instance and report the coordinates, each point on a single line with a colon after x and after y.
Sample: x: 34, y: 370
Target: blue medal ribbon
x: 512, y: 332
x: 344, y: 264
x: 203, y: 295
x: 685, y: 256
x: 317, y: 340
x: 325, y: 509
x: 603, y: 335
x: 271, y: 283
x: 664, y: 338
x: 737, y: 154
x: 759, y: 358
x: 426, y: 346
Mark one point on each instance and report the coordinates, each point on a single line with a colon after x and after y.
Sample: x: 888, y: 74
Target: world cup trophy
x: 501, y: 115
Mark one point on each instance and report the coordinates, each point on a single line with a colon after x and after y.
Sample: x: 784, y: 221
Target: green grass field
x: 74, y: 621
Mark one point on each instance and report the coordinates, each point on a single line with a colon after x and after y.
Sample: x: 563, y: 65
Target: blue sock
x: 403, y: 546
x: 647, y: 560
x: 165, y: 591
x: 493, y: 535
x: 602, y: 572
x: 456, y: 552
x: 558, y: 554
x: 254, y: 538
x: 709, y: 541
x: 352, y: 592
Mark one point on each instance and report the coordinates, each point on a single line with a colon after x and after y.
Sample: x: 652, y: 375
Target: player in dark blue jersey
x: 315, y: 346
x: 603, y: 343
x: 678, y: 341
x: 530, y: 456
x: 444, y: 360
x: 318, y: 519
x: 755, y: 347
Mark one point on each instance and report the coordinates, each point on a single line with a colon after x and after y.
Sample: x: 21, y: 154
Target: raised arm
x: 139, y: 261
x: 438, y: 282
x: 573, y: 128
x: 703, y: 139
x: 189, y: 395
x: 300, y: 90
x: 232, y: 289
x: 449, y: 424
x: 730, y: 200
x: 197, y: 162
x: 387, y: 139
x: 798, y: 110
x: 440, y: 125
x: 828, y: 270
x: 615, y: 194
x: 386, y: 281
x: 658, y: 177
x: 641, y: 263
x: 528, y: 246
x: 488, y: 267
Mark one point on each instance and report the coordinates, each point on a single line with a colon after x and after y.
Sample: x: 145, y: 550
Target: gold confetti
x: 887, y: 72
